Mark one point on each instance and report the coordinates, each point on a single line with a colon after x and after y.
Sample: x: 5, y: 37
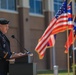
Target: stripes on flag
x: 71, y: 37
x: 51, y: 41
x: 41, y: 47
x: 58, y: 24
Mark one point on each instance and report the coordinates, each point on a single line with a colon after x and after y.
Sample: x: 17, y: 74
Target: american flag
x: 58, y: 24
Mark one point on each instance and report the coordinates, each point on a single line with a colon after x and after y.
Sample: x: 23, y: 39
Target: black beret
x: 3, y: 21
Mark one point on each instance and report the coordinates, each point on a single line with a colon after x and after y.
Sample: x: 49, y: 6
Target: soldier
x: 5, y: 51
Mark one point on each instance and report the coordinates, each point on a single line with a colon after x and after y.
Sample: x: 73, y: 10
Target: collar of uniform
x: 1, y: 33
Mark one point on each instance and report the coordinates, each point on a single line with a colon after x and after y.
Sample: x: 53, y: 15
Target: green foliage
x: 49, y: 72
x: 74, y: 66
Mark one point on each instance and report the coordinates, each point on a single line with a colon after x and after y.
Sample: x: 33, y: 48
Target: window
x: 75, y: 7
x: 57, y: 5
x: 35, y: 6
x: 60, y: 1
x: 8, y: 4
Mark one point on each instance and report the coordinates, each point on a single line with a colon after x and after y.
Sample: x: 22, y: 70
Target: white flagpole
x: 51, y: 2
x: 55, y: 67
x: 53, y: 51
x: 53, y: 48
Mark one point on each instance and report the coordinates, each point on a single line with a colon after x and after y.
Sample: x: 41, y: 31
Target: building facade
x: 28, y: 21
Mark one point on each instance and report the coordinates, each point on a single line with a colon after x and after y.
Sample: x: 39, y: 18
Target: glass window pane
x: 60, y: 1
x: 31, y: 6
x: 75, y: 7
x: 39, y: 7
x: 57, y: 5
x: 3, y: 4
x: 8, y: 4
x: 11, y: 4
x: 35, y: 6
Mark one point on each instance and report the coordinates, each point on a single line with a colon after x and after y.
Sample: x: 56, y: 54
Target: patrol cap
x: 3, y: 21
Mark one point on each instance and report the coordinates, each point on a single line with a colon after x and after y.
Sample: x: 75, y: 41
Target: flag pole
x: 73, y: 52
x: 68, y: 49
x: 73, y: 61
x: 54, y: 62
x: 68, y: 63
x: 53, y: 48
x: 73, y: 7
x: 73, y: 44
